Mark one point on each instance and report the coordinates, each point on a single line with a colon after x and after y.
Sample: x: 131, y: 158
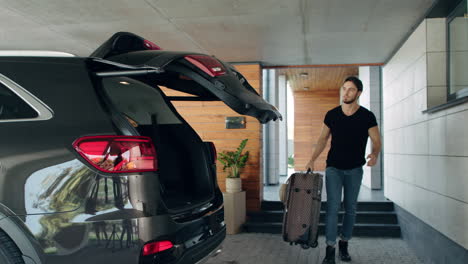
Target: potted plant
x: 234, y: 161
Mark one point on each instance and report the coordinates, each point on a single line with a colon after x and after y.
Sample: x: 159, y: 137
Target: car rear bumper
x: 195, y: 255
x: 120, y: 241
x: 203, y: 252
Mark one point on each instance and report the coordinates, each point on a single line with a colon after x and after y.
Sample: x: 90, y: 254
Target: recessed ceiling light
x: 124, y: 83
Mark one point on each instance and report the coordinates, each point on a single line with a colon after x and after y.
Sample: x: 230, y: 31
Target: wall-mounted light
x: 306, y: 88
x: 235, y: 122
x: 304, y: 74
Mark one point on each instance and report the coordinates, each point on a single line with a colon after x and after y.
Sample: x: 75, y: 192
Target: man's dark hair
x: 356, y: 82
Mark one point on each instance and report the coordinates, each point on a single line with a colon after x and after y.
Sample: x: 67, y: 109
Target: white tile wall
x: 436, y: 69
x: 420, y: 72
x: 419, y: 166
x: 403, y: 168
x: 456, y: 130
x: 408, y: 81
x: 389, y: 141
x: 436, y: 29
x: 398, y: 166
x: 457, y: 178
x: 400, y: 141
x: 442, y: 213
x: 414, y: 47
x: 426, y: 155
x: 387, y: 96
x: 456, y: 109
x: 404, y: 107
x: 420, y: 104
x: 421, y: 139
x: 437, y: 176
x: 407, y: 146
x: 457, y: 224
x: 398, y: 92
x: 437, y: 136
x: 399, y: 116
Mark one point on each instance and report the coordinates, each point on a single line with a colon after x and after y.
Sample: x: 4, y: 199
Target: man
x: 349, y: 126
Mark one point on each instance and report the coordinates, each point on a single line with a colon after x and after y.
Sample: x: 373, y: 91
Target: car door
x: 204, y: 77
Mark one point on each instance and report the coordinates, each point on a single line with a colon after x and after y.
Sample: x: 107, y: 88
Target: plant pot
x: 233, y: 185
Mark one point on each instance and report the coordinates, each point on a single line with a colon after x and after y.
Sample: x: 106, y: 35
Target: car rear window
x: 13, y: 107
x: 138, y: 101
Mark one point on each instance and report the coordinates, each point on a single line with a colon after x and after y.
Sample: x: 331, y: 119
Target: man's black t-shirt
x: 349, y: 137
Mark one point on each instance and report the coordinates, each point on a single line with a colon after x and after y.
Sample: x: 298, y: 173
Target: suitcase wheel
x: 296, y: 190
x: 309, y: 191
x: 304, y: 246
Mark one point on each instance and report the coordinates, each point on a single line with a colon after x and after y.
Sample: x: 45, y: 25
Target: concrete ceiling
x: 274, y: 32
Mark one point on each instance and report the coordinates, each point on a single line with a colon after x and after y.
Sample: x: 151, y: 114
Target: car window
x: 13, y: 107
x: 138, y: 101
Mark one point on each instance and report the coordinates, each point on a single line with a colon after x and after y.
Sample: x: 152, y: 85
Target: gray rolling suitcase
x: 302, y: 209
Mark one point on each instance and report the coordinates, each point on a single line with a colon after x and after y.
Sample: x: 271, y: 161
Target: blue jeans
x: 335, y: 181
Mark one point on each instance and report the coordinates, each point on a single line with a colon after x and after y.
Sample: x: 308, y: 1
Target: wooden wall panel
x: 317, y: 78
x: 208, y: 119
x: 309, y: 112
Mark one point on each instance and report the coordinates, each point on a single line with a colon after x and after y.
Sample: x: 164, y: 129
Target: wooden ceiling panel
x: 317, y: 78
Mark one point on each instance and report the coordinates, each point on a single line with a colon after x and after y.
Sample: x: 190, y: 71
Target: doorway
x: 310, y: 93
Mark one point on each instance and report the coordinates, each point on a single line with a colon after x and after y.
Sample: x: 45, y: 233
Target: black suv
x: 97, y: 166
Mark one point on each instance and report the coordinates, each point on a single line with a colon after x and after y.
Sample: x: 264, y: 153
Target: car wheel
x: 9, y: 252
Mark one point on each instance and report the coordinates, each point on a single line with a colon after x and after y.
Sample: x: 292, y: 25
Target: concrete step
x: 364, y: 217
x: 362, y: 206
x: 362, y: 230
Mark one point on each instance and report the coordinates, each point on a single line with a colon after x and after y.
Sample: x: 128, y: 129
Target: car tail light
x: 213, y: 151
x: 207, y: 64
x: 118, y: 154
x: 155, y: 247
x: 150, y: 45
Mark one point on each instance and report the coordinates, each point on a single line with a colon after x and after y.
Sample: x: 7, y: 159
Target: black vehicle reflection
x: 59, y: 188
x: 77, y: 214
x: 118, y: 237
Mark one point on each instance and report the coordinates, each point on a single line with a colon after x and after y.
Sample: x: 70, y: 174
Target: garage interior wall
x: 208, y: 120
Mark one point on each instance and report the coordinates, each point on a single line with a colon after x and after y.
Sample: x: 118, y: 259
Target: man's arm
x: 374, y: 134
x: 320, y: 146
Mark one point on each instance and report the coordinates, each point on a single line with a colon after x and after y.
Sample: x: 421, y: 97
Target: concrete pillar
x: 271, y: 130
x: 372, y: 100
x: 283, y: 129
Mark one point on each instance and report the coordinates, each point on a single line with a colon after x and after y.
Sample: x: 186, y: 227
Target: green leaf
x: 234, y: 159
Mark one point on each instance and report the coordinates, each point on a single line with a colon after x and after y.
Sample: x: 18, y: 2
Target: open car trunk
x: 184, y: 164
x: 132, y: 69
x: 183, y: 169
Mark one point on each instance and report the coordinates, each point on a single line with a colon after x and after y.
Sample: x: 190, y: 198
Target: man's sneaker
x: 330, y: 255
x: 343, y: 251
